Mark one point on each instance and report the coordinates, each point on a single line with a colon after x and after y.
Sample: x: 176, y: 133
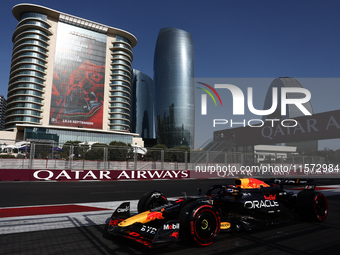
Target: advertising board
x: 78, y: 78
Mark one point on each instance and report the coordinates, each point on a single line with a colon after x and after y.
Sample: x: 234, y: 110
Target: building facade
x: 68, y: 72
x: 142, y: 119
x: 3, y: 103
x: 174, y: 88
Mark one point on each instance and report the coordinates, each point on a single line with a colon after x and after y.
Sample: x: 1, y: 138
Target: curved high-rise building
x: 174, y: 88
x: 68, y: 73
x: 120, y: 84
x: 292, y: 110
x: 142, y: 105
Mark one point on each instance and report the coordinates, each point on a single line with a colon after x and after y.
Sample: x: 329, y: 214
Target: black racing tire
x: 151, y: 200
x: 312, y: 205
x: 199, y: 223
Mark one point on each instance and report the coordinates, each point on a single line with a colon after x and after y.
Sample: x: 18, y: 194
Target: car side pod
x: 169, y: 232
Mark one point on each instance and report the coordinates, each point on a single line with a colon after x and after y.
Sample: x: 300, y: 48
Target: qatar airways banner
x: 106, y: 175
x: 200, y: 172
x: 100, y: 175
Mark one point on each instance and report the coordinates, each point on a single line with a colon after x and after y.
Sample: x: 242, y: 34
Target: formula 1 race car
x: 248, y: 204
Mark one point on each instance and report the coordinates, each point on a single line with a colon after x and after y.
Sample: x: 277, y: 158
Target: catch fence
x: 83, y: 156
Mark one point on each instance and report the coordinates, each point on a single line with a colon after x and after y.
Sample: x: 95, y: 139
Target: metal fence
x: 87, y: 157
x: 100, y: 156
x: 211, y: 157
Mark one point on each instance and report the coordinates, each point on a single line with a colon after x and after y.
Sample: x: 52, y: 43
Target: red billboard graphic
x: 78, y: 78
x: 78, y: 100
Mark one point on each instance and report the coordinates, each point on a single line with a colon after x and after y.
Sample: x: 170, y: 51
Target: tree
x: 96, y: 152
x: 67, y: 146
x: 154, y: 154
x: 119, y: 151
x: 177, y: 154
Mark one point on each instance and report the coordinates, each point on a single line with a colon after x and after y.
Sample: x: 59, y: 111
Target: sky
x: 232, y: 39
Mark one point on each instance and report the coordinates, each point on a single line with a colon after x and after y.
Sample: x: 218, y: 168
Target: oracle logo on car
x: 260, y: 204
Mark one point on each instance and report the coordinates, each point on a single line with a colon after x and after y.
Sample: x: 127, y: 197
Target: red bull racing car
x: 248, y: 204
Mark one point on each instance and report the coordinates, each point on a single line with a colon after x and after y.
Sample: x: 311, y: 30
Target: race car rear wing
x: 291, y: 181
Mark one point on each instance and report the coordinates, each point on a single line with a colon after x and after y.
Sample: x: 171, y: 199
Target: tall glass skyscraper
x: 142, y: 105
x: 174, y: 88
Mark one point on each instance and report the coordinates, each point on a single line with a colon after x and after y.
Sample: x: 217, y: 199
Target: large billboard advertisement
x: 78, y: 78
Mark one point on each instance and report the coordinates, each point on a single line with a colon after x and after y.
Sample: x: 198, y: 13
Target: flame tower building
x: 174, y: 88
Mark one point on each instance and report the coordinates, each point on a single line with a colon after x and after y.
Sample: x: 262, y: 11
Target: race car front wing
x: 148, y: 228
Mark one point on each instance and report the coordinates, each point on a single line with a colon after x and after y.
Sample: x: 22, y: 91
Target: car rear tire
x: 151, y: 200
x: 199, y: 223
x: 312, y: 205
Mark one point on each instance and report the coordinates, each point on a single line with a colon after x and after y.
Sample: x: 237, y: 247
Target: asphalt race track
x: 69, y: 218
